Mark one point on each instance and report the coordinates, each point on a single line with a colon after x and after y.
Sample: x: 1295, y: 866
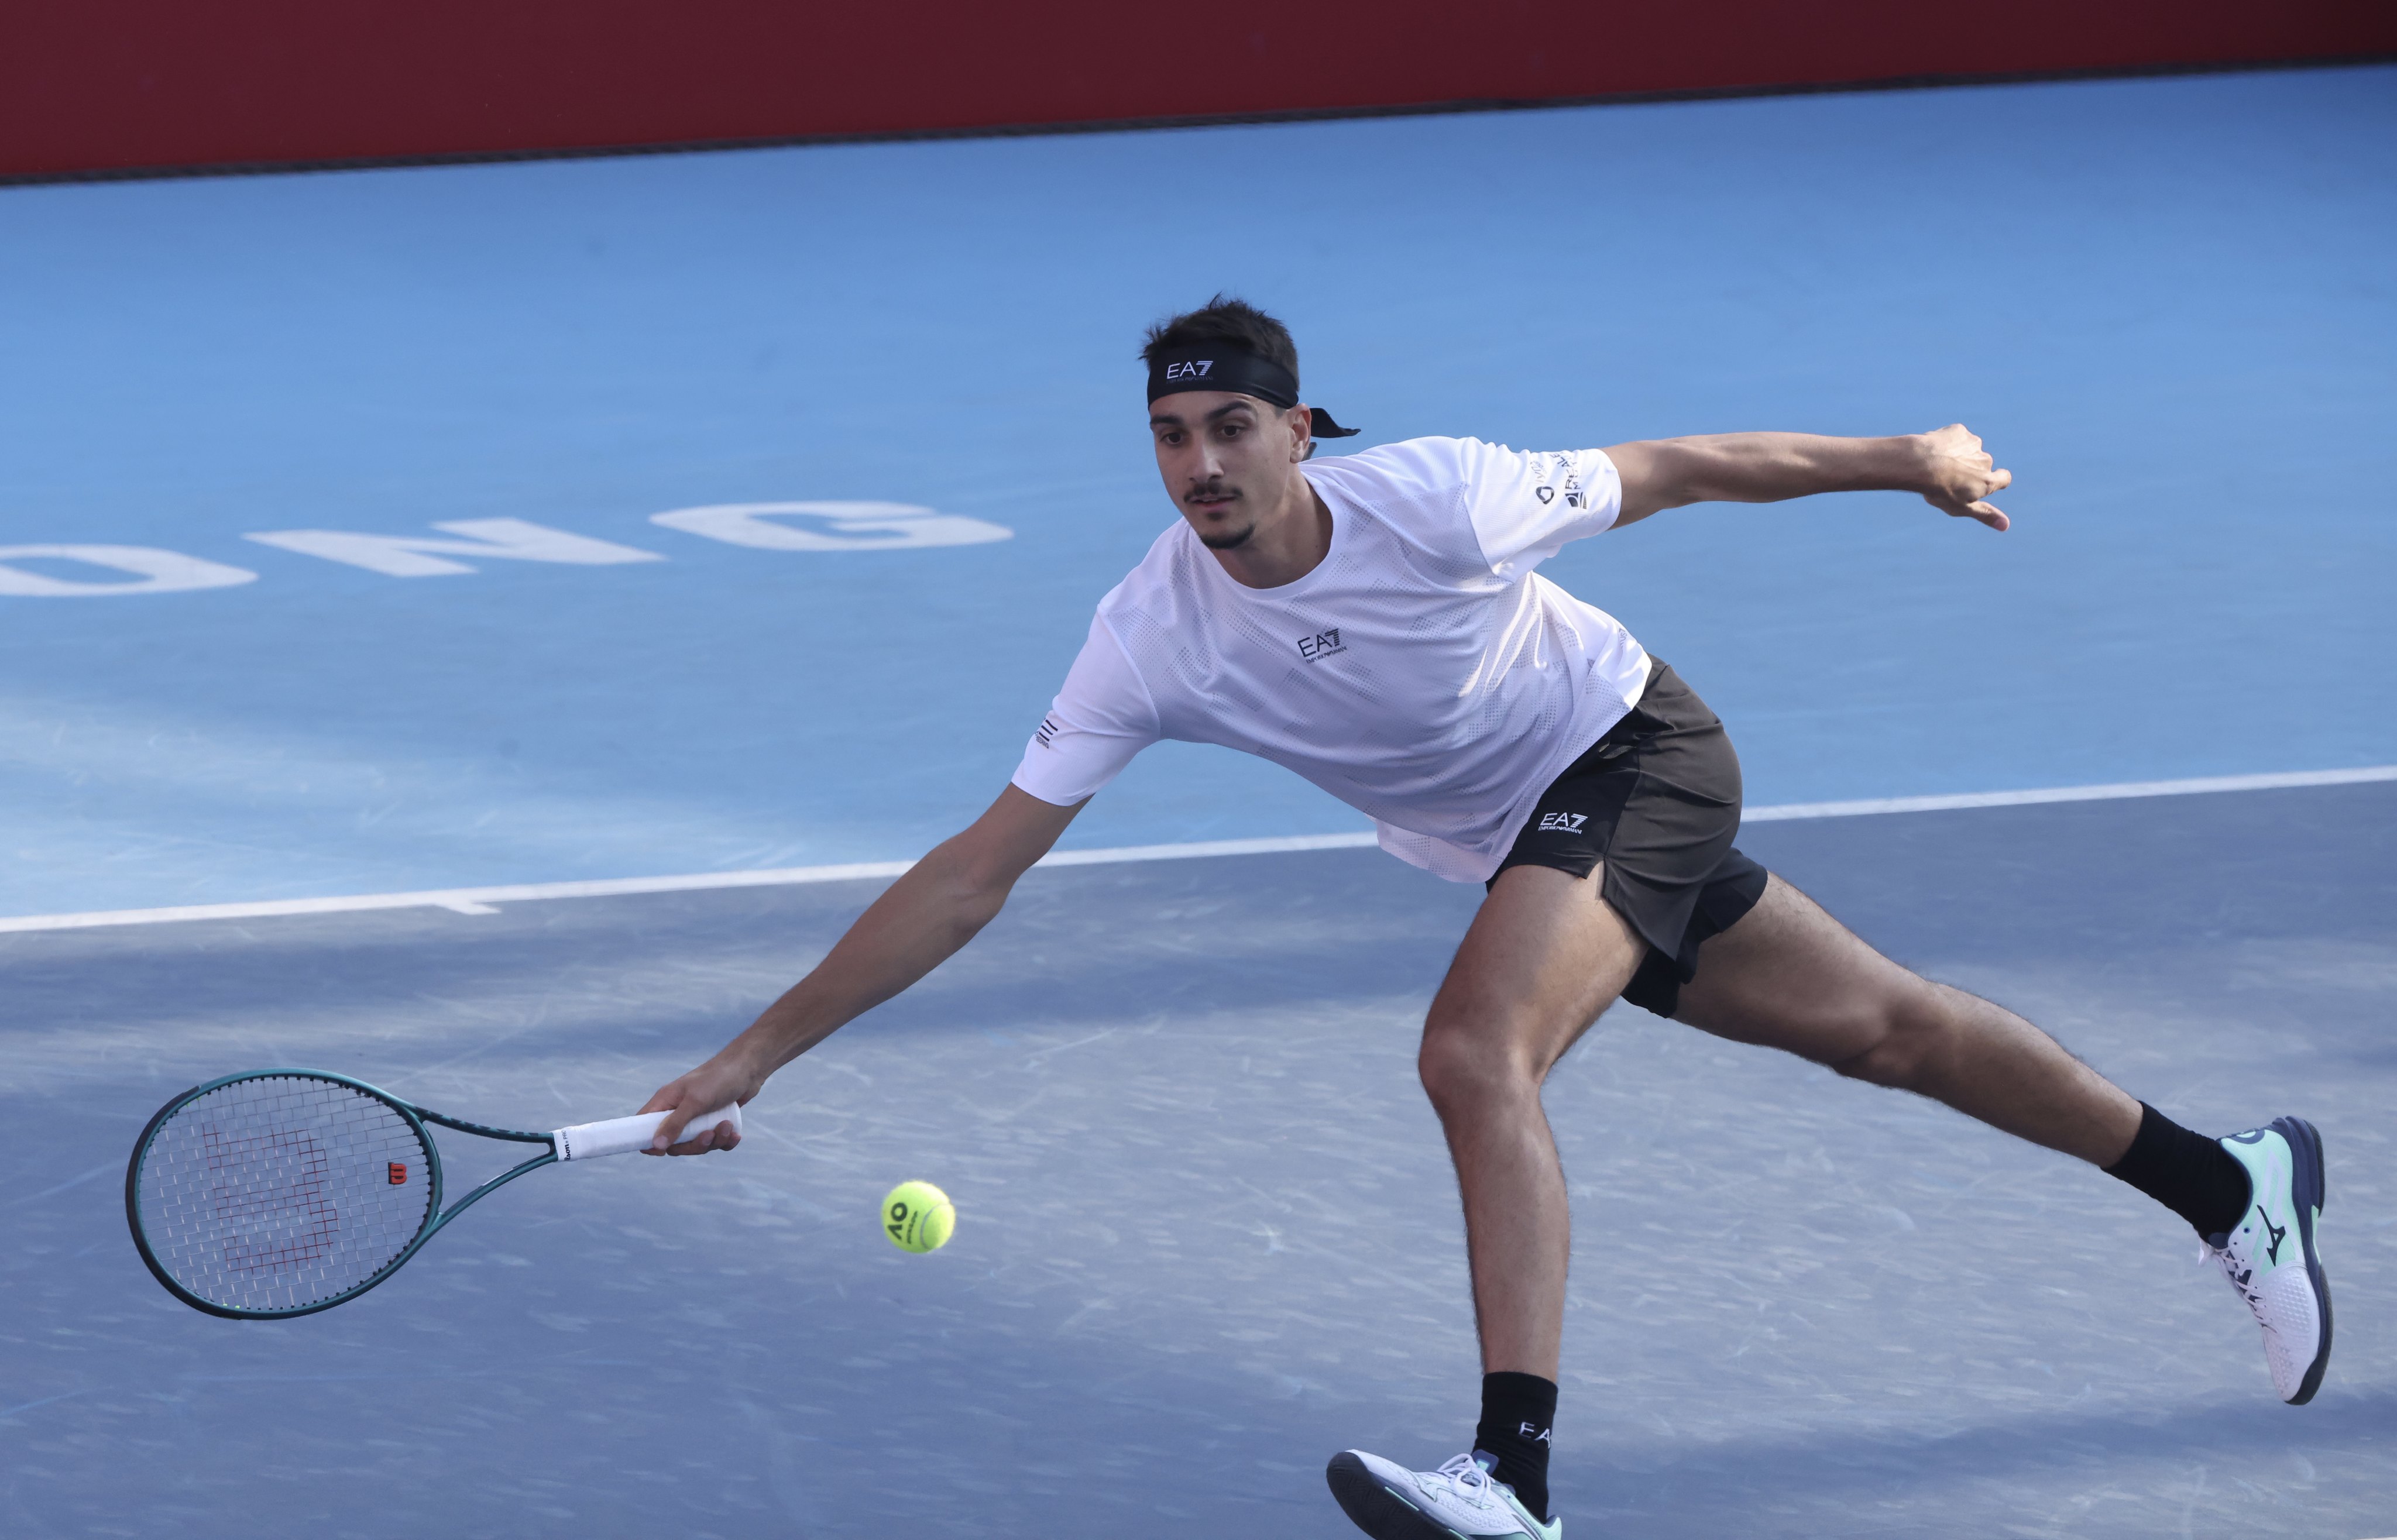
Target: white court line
x: 2279, y: 781
x: 480, y: 900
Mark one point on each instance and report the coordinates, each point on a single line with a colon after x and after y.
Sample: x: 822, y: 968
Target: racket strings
x: 271, y: 1224
x: 278, y: 1192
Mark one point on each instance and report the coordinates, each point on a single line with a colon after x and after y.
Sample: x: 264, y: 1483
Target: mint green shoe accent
x: 2270, y: 1255
x: 1553, y: 1530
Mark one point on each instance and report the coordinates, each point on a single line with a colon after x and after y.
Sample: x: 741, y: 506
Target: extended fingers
x: 1980, y: 512
x: 1987, y: 512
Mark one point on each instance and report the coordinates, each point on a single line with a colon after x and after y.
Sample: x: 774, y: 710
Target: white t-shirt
x: 1422, y: 672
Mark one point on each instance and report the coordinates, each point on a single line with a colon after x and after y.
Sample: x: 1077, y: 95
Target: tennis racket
x: 282, y: 1192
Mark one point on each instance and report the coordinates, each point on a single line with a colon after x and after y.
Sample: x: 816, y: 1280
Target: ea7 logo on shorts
x: 1563, y: 822
x: 1196, y: 369
x: 1323, y: 644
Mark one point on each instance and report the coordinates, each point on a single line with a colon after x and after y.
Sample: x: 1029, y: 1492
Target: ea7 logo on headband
x: 1196, y: 369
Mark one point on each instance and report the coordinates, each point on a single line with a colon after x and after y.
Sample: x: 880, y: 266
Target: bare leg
x: 1546, y: 955
x: 1789, y: 976
x: 1543, y: 957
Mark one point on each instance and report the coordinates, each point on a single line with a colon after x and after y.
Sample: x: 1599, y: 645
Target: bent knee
x: 1463, y: 1068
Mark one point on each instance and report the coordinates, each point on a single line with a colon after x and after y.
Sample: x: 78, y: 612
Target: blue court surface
x: 579, y: 521
x: 2166, y: 304
x: 1209, y: 1235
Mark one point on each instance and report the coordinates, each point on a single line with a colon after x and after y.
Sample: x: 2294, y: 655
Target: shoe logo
x: 2252, y: 1136
x: 1563, y: 822
x: 2278, y: 1231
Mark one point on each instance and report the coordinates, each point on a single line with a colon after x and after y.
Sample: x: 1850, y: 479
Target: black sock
x: 2187, y: 1173
x: 1516, y: 1411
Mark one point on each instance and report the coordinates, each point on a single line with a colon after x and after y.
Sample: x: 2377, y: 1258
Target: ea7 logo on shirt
x: 1195, y: 369
x: 1322, y: 645
x: 1563, y: 822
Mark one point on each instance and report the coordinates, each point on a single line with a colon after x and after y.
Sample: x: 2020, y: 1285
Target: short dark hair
x: 1226, y: 320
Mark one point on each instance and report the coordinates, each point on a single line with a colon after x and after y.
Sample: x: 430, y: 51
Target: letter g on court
x: 831, y: 525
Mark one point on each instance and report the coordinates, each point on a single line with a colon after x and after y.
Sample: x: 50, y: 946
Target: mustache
x: 1213, y: 489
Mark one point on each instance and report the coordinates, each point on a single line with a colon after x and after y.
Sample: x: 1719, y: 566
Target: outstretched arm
x: 934, y: 908
x: 1948, y: 468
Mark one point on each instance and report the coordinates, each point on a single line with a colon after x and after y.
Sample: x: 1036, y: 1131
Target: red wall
x: 94, y: 84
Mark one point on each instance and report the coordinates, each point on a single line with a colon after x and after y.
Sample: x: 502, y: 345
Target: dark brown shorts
x: 1656, y: 800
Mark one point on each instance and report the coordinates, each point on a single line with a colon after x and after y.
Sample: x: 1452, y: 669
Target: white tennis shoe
x: 2270, y: 1257
x: 1459, y: 1501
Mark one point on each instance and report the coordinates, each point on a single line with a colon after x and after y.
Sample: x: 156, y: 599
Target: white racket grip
x: 625, y: 1135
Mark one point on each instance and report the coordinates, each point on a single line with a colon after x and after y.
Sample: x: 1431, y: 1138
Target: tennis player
x: 1375, y: 622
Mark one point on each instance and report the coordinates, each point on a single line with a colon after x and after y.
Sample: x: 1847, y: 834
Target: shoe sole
x: 2306, y: 1182
x: 1377, y: 1509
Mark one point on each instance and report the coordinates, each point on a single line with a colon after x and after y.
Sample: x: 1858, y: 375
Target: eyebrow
x: 1157, y: 419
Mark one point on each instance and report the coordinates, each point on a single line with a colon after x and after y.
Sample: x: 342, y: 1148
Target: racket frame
x: 434, y: 1216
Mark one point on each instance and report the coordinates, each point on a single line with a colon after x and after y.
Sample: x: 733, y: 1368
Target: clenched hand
x: 726, y: 1078
x: 1958, y: 475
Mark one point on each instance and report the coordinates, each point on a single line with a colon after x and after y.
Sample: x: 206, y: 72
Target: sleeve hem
x: 1614, y: 482
x: 1017, y: 782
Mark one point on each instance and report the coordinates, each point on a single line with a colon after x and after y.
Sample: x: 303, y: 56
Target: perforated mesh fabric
x: 282, y: 1191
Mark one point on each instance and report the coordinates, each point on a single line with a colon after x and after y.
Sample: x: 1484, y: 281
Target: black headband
x: 1230, y: 366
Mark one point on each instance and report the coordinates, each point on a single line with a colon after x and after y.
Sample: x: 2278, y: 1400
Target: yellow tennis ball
x: 919, y: 1217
